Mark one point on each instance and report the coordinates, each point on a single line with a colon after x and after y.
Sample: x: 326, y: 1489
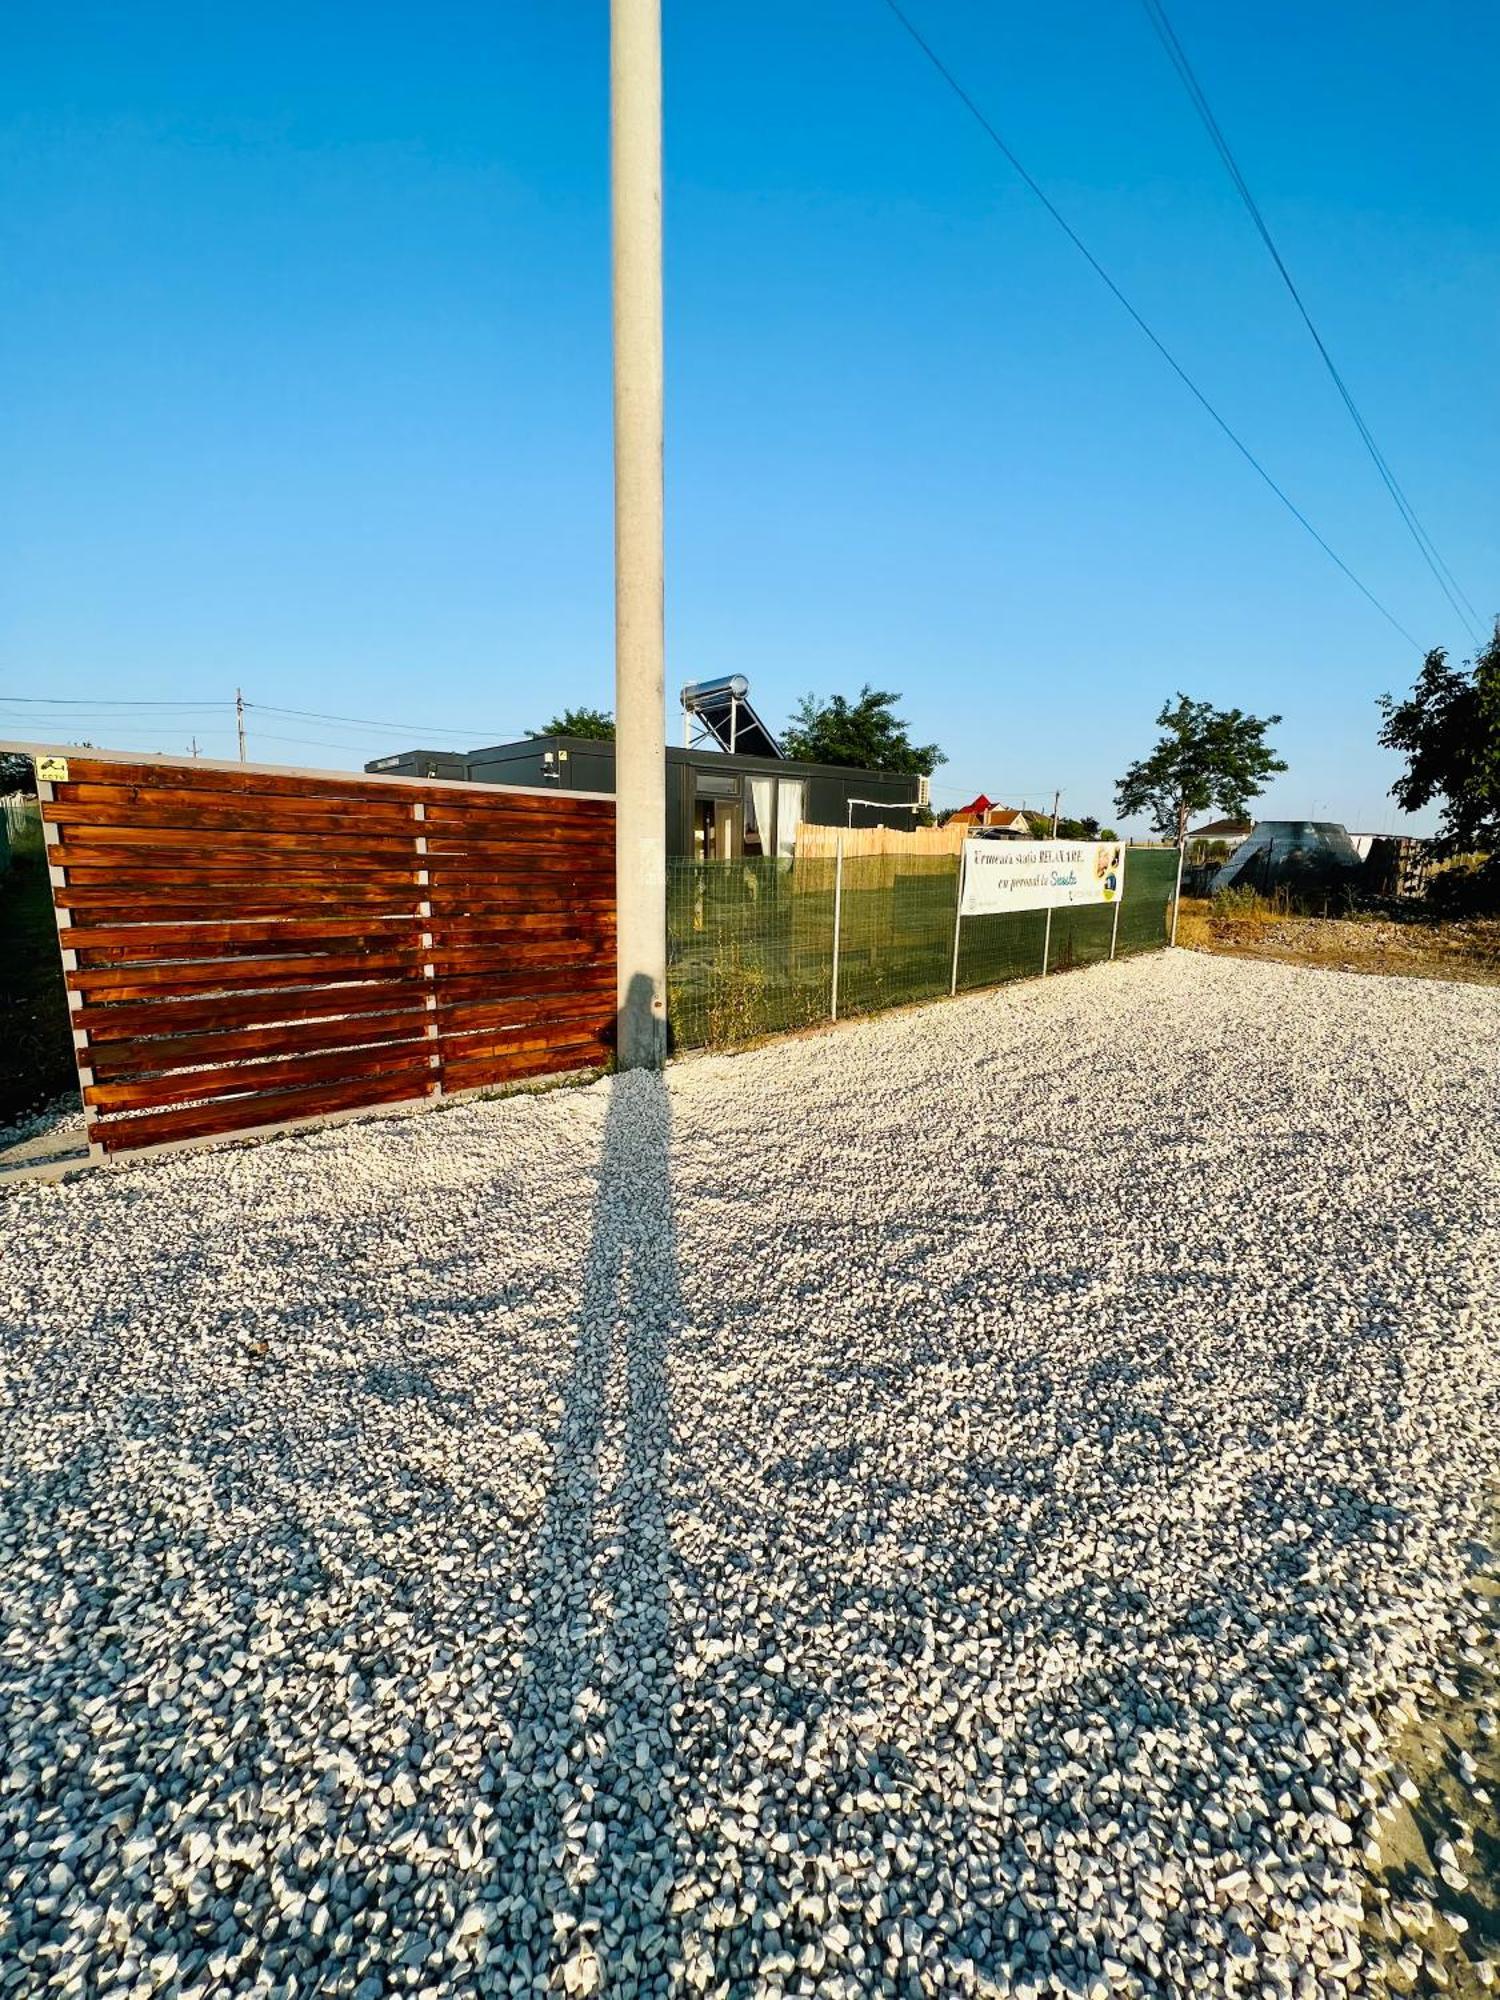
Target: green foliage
x: 1468, y: 885
x: 1448, y: 730
x: 1207, y: 757
x: 597, y: 725
x: 1087, y: 828
x: 866, y: 733
x: 17, y: 773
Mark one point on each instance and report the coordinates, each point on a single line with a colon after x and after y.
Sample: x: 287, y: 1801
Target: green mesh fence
x: 749, y: 948
x: 750, y: 944
x: 895, y: 930
x: 1146, y: 908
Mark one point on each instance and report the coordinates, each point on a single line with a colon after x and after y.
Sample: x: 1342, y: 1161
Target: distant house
x: 1000, y: 822
x: 1228, y: 832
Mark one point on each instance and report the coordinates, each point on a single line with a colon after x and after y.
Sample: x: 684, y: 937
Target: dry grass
x: 1413, y: 947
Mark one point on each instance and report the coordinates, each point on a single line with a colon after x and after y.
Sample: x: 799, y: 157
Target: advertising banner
x: 1002, y: 875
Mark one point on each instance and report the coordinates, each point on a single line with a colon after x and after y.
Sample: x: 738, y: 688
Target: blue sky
x: 305, y: 369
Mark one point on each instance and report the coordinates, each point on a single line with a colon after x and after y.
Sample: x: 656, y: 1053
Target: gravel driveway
x: 953, y: 1503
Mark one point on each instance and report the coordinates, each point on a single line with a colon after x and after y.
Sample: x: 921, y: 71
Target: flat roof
x: 702, y: 754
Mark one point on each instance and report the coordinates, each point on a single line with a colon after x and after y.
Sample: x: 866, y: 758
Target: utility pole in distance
x: 640, y: 685
x: 239, y: 720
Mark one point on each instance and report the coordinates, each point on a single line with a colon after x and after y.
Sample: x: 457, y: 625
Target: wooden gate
x: 246, y: 946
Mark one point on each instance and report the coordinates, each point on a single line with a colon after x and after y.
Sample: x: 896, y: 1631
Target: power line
x: 365, y: 722
x: 1156, y: 341
x: 107, y: 702
x: 1167, y: 35
x: 109, y: 705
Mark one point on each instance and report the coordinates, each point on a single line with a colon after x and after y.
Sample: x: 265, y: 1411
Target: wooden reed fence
x: 822, y: 843
x: 247, y: 947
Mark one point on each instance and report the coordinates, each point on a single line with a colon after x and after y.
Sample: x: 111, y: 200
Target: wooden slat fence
x: 821, y: 843
x: 245, y: 946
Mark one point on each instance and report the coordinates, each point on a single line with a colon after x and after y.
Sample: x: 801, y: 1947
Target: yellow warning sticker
x: 52, y: 770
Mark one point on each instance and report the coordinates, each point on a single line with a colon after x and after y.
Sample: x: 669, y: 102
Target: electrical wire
x: 108, y: 701
x: 1166, y: 34
x: 111, y: 702
x: 365, y: 722
x: 108, y: 707
x: 1036, y: 189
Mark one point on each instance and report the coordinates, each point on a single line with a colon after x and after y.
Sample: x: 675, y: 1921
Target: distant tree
x: 1448, y: 730
x: 598, y: 724
x: 17, y: 773
x: 1087, y: 828
x: 866, y: 732
x: 1206, y: 757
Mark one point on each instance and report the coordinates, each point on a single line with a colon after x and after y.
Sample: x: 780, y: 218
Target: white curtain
x: 790, y: 807
x: 761, y: 803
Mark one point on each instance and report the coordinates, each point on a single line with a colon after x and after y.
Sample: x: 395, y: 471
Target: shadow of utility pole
x: 589, y: 1783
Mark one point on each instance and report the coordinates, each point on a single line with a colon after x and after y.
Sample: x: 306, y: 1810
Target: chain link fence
x: 762, y: 947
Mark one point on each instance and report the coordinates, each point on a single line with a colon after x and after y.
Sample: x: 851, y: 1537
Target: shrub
x: 1466, y: 885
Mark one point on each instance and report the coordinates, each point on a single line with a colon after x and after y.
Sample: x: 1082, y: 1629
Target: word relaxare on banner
x: 1001, y: 875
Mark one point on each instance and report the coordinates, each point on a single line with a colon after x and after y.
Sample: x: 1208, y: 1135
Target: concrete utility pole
x: 640, y: 687
x: 239, y: 720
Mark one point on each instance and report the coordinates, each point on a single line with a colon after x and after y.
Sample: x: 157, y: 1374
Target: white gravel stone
x: 960, y: 1503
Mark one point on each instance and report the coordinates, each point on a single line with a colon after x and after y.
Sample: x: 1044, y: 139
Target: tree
x: 597, y: 724
x: 1208, y: 757
x: 866, y: 732
x: 17, y: 773
x: 1087, y: 828
x: 1448, y: 730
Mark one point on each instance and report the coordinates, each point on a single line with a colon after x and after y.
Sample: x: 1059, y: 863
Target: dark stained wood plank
x: 292, y: 933
x: 90, y: 780
x: 230, y: 875
x: 138, y: 982
x: 407, y: 942
x: 211, y: 853
x: 482, y: 803
x: 166, y: 1014
x: 554, y: 952
x: 187, y: 902
x: 482, y: 1071
x: 450, y: 939
x: 522, y: 864
x: 234, y: 1079
x: 232, y: 839
x: 103, y: 807
x: 521, y: 837
x: 461, y: 988
x: 242, y: 1114
x: 581, y: 1025
x: 454, y: 994
x: 477, y: 906
x: 142, y: 1057
x: 90, y: 767
x: 483, y: 1015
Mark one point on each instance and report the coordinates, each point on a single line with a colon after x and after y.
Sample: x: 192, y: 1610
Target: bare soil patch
x: 1409, y: 947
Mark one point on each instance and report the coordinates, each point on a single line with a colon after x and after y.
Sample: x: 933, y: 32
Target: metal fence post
x: 958, y: 917
x: 1114, y: 929
x: 838, y: 904
x: 1177, y: 892
x: 1047, y: 941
